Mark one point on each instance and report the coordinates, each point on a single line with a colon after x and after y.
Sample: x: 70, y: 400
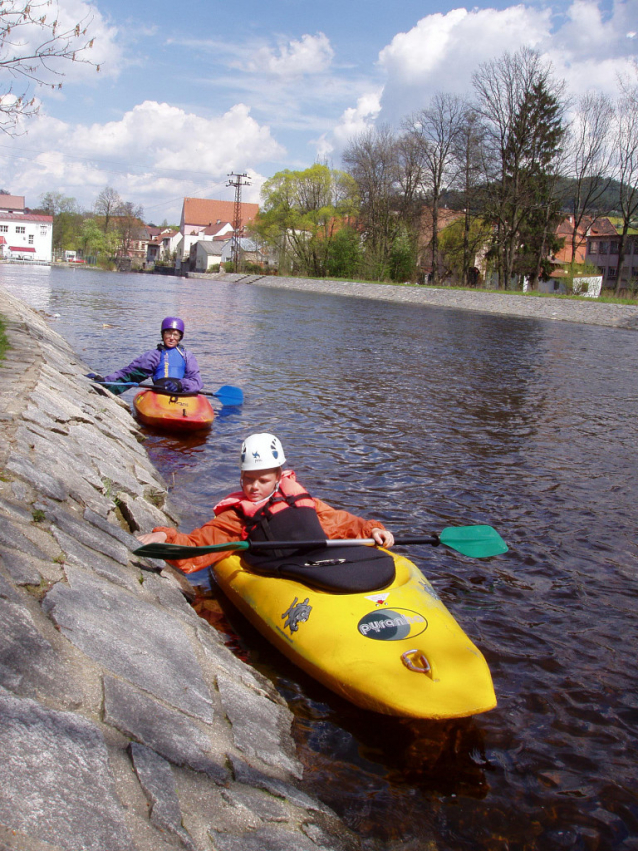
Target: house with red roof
x: 206, y: 219
x: 24, y: 235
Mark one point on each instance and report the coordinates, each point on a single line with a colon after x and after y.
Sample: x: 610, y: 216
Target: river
x: 424, y: 418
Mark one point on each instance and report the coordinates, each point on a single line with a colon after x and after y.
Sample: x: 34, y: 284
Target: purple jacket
x: 191, y: 382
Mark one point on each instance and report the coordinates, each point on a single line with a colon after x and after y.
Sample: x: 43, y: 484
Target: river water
x: 424, y: 418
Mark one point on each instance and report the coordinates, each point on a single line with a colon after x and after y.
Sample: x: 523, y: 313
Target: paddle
x: 227, y: 393
x: 475, y: 541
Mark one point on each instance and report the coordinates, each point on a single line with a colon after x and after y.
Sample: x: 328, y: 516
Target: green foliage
x: 4, y: 341
x: 452, y: 245
x: 402, y: 260
x: 96, y: 243
x: 343, y: 257
x: 302, y: 213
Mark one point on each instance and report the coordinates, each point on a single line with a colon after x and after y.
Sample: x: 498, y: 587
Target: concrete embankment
x: 126, y: 724
x: 507, y: 304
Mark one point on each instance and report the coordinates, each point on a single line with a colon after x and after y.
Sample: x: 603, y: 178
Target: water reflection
x: 426, y: 418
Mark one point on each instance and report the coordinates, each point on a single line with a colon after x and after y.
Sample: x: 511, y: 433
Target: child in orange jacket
x: 262, y: 509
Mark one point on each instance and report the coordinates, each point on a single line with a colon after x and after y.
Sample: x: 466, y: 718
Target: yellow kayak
x: 397, y: 650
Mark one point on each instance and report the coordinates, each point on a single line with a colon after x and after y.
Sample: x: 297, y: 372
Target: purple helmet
x: 173, y: 323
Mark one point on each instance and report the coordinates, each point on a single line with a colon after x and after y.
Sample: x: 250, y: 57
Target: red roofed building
x: 24, y: 236
x: 202, y: 217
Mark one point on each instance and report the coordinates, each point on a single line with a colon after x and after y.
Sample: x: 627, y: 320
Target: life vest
x: 290, y: 515
x: 172, y: 363
x: 269, y: 520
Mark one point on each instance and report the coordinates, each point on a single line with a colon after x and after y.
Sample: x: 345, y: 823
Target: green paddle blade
x: 176, y: 551
x: 475, y: 541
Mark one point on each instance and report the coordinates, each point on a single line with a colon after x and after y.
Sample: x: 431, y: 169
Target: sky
x: 190, y: 92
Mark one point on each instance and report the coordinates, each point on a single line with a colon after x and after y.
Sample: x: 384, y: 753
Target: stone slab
x: 77, y: 553
x: 157, y: 781
x: 167, y: 732
x: 91, y: 537
x: 43, y: 482
x: 133, y: 639
x: 29, y: 666
x: 22, y: 568
x: 261, y: 729
x: 247, y: 774
x: 12, y: 536
x: 56, y: 781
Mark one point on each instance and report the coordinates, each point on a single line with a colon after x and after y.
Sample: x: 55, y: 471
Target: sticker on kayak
x: 378, y: 599
x: 392, y: 624
x: 296, y: 613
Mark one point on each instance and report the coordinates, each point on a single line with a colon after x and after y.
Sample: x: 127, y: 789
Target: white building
x: 24, y: 236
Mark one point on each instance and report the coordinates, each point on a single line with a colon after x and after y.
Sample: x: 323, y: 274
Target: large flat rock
x: 56, y: 781
x: 131, y: 638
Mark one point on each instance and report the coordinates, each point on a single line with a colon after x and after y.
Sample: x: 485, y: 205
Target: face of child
x: 171, y: 338
x: 259, y: 484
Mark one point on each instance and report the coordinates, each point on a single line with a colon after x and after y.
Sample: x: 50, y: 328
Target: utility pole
x: 239, y: 181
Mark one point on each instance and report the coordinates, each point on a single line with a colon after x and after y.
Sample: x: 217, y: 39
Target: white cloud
x: 154, y: 152
x: 442, y: 51
x: 354, y: 121
x: 587, y: 48
x: 312, y: 54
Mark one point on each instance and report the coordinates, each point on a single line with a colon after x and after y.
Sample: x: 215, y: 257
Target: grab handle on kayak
x: 416, y: 660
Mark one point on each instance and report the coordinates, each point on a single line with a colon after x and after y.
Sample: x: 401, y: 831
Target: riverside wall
x: 126, y: 724
x: 506, y: 303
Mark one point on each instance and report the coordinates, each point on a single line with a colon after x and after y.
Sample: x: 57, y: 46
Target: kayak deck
x: 397, y: 651
x: 173, y: 413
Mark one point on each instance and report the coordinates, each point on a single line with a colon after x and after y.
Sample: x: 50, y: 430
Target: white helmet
x: 261, y: 452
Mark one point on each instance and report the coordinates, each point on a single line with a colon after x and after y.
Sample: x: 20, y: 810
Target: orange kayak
x: 173, y: 413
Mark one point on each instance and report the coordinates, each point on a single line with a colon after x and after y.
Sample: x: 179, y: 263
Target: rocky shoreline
x: 126, y: 724
x: 506, y: 304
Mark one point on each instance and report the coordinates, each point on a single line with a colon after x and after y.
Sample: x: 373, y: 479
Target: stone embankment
x: 508, y: 304
x: 126, y: 724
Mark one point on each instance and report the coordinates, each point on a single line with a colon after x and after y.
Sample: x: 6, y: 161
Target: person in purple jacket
x: 171, y: 367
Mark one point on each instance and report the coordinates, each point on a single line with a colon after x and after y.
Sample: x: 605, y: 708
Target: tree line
x: 512, y: 161
x: 102, y: 233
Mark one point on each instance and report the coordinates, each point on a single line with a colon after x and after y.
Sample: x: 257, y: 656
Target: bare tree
x: 33, y: 48
x: 372, y: 160
x: 588, y: 159
x: 434, y: 131
x: 106, y: 205
x: 626, y: 156
x: 128, y: 218
x: 469, y: 155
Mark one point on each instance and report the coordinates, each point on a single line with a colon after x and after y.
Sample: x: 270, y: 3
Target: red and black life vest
x: 270, y: 520
x: 290, y: 515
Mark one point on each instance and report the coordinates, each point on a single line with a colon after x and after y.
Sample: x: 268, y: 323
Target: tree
x: 128, y: 222
x: 302, y: 213
x: 343, y: 257
x: 626, y: 156
x: 588, y: 159
x: 522, y: 109
x: 434, y: 131
x: 469, y: 155
x: 33, y: 49
x: 372, y: 159
x: 95, y: 243
x: 67, y: 220
x: 106, y: 205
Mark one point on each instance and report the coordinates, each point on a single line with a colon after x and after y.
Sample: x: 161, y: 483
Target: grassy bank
x: 4, y: 340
